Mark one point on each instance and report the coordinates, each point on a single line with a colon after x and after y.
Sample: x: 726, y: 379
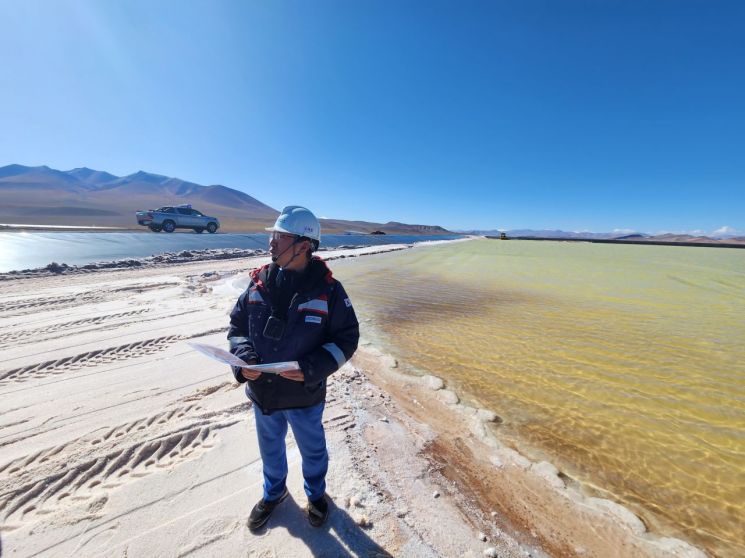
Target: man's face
x: 283, y: 247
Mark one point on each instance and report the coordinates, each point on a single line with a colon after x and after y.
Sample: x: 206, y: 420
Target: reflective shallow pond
x: 623, y: 365
x: 29, y: 250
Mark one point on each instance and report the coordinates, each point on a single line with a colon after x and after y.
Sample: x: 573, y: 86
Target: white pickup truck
x: 170, y: 218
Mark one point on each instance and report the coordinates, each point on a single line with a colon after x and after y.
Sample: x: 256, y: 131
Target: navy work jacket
x: 321, y: 333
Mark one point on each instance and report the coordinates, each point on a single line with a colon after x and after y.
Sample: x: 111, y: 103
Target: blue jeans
x: 307, y: 427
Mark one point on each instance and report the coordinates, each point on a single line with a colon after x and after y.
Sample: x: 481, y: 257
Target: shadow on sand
x: 340, y: 536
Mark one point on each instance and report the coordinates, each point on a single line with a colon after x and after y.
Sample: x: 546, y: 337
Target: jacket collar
x: 317, y: 275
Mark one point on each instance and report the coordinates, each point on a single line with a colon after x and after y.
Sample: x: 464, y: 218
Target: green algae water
x: 623, y: 365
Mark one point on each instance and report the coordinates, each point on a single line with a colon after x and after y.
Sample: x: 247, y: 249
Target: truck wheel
x: 154, y: 228
x: 211, y: 228
x: 169, y: 226
x: 198, y: 230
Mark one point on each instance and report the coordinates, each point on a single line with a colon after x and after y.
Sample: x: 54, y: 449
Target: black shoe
x: 318, y: 511
x: 262, y: 510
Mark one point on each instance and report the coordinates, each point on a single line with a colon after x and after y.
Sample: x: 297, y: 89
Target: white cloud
x: 623, y: 231
x: 725, y: 231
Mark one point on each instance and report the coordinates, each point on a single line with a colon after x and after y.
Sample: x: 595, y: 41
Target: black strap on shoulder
x: 281, y: 287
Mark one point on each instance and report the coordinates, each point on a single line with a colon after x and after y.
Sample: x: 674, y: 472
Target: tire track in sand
x: 31, y: 306
x: 107, y: 471
x: 143, y: 424
x: 150, y: 423
x: 82, y: 471
x: 97, y: 357
x: 88, y: 359
x: 22, y: 337
x: 19, y: 336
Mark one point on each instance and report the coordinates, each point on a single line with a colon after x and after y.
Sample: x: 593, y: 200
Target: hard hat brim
x: 280, y: 229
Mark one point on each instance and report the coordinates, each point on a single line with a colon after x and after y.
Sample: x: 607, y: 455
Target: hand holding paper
x: 221, y: 355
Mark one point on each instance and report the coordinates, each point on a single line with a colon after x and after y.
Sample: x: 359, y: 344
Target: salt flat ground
x: 117, y: 439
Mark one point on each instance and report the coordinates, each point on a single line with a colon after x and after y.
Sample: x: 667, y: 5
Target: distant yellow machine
x: 502, y: 236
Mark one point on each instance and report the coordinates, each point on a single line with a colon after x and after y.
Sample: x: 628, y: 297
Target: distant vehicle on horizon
x: 169, y: 218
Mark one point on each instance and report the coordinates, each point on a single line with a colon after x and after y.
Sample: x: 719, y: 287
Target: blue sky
x: 580, y: 115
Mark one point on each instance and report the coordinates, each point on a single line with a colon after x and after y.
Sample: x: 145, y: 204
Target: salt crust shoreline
x: 560, y: 512
x: 414, y: 471
x: 182, y: 257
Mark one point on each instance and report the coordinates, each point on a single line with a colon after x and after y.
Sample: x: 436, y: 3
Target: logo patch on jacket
x: 313, y: 319
x: 318, y: 305
x: 347, y: 302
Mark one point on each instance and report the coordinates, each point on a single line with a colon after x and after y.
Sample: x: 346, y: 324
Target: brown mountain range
x: 672, y: 237
x: 87, y: 197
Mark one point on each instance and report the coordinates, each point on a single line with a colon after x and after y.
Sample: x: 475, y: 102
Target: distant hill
x: 91, y: 176
x: 635, y: 237
x: 672, y: 237
x: 88, y: 197
x: 551, y: 233
x: 391, y: 227
x: 563, y: 234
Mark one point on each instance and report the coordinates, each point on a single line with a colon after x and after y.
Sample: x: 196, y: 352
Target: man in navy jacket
x: 292, y: 310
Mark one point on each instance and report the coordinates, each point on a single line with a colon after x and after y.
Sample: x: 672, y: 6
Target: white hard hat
x: 298, y: 220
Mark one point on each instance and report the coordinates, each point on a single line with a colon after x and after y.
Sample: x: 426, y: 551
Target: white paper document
x: 221, y: 355
x: 275, y: 367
